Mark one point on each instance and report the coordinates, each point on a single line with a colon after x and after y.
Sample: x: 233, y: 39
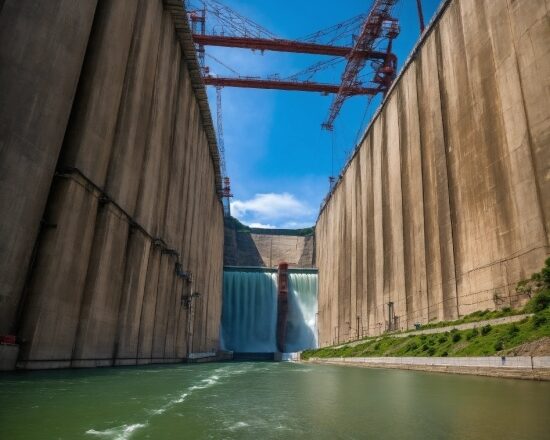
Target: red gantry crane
x: 236, y: 31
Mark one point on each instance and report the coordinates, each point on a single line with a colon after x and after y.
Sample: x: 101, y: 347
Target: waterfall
x: 249, y: 311
x: 301, y: 330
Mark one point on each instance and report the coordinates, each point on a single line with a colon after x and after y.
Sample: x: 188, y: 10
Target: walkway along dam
x: 112, y: 227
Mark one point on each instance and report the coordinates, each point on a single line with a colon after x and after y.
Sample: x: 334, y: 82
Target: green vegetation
x: 232, y: 222
x: 490, y: 341
x: 480, y: 315
x: 486, y: 341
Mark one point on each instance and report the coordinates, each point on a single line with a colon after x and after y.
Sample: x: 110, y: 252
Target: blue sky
x: 277, y: 156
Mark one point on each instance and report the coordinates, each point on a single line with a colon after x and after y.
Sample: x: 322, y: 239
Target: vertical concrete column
x: 342, y: 306
x: 396, y: 272
x: 353, y: 275
x: 345, y: 281
x: 52, y: 308
x: 131, y: 302
x: 174, y: 218
x: 197, y: 244
x: 97, y: 324
x: 369, y: 281
x: 124, y: 171
x: 175, y: 209
x: 360, y: 319
x: 531, y: 37
x: 148, y: 310
x: 379, y: 320
x: 439, y: 249
x: 172, y: 319
x: 163, y: 304
x: 413, y: 201
x: 216, y: 273
x: 202, y: 225
x: 153, y: 184
x: 42, y: 47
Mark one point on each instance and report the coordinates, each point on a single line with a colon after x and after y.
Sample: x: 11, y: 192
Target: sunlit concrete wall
x: 445, y: 204
x: 245, y: 248
x: 109, y: 183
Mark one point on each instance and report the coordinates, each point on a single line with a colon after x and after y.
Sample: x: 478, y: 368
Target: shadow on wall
x: 248, y: 253
x: 307, y: 258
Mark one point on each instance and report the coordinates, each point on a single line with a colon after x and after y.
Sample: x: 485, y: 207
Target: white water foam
x: 238, y: 425
x: 123, y: 432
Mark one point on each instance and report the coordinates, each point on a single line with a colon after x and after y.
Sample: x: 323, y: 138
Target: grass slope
x: 486, y: 341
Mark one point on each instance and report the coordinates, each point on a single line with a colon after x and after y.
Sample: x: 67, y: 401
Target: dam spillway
x: 249, y: 311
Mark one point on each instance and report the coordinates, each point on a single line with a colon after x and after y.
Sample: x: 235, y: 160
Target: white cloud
x: 274, y: 210
x: 261, y: 226
x: 270, y: 207
x: 297, y: 225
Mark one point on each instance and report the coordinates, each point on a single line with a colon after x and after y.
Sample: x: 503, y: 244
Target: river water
x: 268, y: 401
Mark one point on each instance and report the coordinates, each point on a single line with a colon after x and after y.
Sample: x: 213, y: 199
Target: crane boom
x: 281, y: 45
x: 371, y: 31
x: 303, y: 86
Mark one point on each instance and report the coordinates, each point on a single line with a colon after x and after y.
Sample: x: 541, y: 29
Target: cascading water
x: 249, y: 311
x: 301, y: 329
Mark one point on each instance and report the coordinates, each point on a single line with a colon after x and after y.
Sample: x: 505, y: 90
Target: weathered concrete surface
x: 134, y: 207
x: 444, y: 206
x: 264, y: 249
x: 42, y: 47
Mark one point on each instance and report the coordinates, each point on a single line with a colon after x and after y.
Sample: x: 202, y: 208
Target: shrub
x: 411, y: 346
x: 377, y: 346
x: 539, y: 302
x: 442, y: 339
x: 472, y: 334
x: 486, y: 329
x: 538, y: 320
x: 425, y: 347
x: 423, y: 337
x: 431, y: 351
x: 506, y: 309
x: 546, y: 272
x: 513, y: 330
x: 444, y: 354
x: 499, y: 345
x: 456, y: 337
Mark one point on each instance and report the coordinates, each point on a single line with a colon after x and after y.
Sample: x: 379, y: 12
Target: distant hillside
x: 237, y: 225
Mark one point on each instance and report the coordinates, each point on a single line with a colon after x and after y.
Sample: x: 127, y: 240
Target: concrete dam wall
x: 445, y: 204
x: 267, y: 247
x: 111, y: 239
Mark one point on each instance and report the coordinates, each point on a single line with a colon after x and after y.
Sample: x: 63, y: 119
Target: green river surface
x: 262, y: 400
